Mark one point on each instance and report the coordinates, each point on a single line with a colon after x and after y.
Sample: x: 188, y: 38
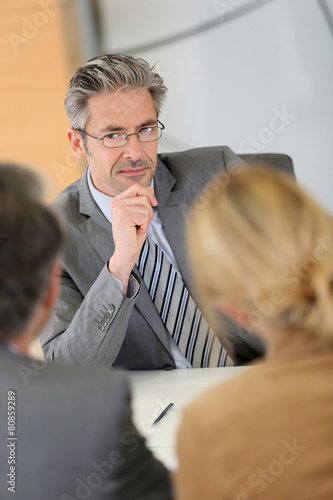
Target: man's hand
x: 131, y: 213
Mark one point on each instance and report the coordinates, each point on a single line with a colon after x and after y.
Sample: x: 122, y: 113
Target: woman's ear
x: 240, y: 318
x: 234, y: 313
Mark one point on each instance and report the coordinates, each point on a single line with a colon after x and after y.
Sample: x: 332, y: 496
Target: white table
x: 153, y: 390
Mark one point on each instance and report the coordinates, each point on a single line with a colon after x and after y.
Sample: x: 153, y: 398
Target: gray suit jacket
x: 75, y: 436
x: 93, y: 322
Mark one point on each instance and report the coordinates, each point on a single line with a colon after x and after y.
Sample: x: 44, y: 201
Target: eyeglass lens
x: 147, y: 134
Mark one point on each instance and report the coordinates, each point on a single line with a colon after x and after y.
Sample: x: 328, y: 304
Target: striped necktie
x: 178, y: 311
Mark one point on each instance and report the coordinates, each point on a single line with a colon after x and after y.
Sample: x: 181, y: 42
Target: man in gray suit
x: 109, y: 312
x: 66, y: 432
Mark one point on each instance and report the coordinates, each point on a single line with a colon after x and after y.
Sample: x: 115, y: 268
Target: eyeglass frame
x: 162, y: 127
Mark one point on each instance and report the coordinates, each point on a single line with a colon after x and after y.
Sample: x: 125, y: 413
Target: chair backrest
x: 276, y: 160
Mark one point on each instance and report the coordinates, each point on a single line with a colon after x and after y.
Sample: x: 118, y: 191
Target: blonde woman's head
x: 263, y: 245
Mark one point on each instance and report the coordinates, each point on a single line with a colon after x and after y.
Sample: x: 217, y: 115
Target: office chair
x: 276, y: 160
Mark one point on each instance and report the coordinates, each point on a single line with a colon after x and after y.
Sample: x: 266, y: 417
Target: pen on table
x: 163, y: 414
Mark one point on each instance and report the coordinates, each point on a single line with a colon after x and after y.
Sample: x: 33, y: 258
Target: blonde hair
x: 264, y: 245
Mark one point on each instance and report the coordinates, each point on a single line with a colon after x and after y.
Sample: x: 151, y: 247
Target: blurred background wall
x: 256, y: 75
x: 39, y: 48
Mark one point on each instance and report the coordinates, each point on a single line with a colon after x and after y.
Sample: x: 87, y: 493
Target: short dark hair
x: 30, y: 241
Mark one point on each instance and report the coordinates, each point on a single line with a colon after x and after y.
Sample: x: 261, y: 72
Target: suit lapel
x: 95, y: 226
x: 172, y: 209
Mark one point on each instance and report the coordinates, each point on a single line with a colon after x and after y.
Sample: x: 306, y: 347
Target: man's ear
x: 52, y: 291
x: 76, y: 142
x: 234, y: 313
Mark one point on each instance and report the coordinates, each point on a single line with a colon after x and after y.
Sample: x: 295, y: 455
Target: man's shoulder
x: 22, y: 371
x: 193, y: 153
x: 193, y: 168
x: 68, y: 198
x: 210, y: 157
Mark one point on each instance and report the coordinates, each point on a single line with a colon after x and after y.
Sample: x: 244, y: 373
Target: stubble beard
x: 118, y: 186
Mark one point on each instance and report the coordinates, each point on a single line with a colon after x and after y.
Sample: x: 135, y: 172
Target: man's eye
x: 147, y: 130
x: 116, y: 135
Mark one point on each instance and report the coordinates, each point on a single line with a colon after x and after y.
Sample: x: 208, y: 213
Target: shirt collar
x: 102, y: 199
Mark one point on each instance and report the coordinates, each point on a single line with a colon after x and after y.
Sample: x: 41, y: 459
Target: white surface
x: 153, y: 390
x: 225, y: 83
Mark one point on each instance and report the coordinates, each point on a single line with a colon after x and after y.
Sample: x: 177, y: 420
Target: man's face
x: 115, y: 169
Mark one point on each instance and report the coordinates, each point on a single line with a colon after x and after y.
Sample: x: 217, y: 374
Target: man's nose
x: 133, y: 147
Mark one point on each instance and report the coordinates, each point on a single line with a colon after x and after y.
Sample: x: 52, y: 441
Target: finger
x: 139, y: 222
x: 138, y: 190
x: 152, y: 198
x: 138, y: 218
x: 130, y: 206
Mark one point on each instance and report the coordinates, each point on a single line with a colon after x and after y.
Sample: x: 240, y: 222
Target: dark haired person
x: 66, y: 432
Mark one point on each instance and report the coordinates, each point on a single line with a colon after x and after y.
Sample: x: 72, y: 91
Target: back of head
x: 19, y: 182
x: 110, y: 72
x: 30, y: 240
x: 265, y: 246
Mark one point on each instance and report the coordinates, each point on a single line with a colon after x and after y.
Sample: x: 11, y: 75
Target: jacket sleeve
x: 91, y: 329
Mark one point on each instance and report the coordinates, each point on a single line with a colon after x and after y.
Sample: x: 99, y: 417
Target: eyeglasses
x: 120, y: 139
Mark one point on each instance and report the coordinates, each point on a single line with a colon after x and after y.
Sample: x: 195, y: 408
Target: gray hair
x: 109, y: 72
